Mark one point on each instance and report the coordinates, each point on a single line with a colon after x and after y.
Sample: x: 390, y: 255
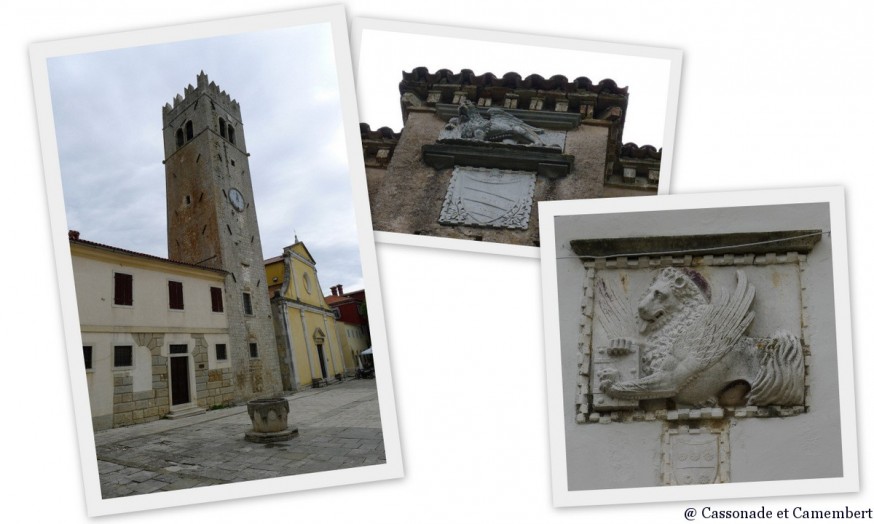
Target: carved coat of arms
x: 694, y: 458
x: 488, y: 197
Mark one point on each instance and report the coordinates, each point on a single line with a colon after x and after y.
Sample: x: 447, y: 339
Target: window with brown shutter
x: 176, y: 301
x: 124, y: 289
x: 216, y: 295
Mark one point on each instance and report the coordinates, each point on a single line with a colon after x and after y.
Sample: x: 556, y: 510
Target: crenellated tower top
x: 199, y: 109
x: 204, y: 88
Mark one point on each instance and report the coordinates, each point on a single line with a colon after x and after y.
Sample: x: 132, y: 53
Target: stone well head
x: 268, y: 415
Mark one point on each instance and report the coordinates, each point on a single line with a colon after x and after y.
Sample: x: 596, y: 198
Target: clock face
x: 236, y: 199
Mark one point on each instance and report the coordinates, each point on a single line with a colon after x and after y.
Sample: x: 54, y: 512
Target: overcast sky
x: 385, y: 54
x: 107, y: 111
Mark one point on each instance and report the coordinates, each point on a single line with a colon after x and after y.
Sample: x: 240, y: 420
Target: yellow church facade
x: 310, y: 353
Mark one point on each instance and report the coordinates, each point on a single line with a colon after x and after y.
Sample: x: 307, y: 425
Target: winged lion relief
x: 691, y: 346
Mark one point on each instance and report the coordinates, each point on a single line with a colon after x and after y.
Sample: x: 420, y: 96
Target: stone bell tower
x: 211, y: 221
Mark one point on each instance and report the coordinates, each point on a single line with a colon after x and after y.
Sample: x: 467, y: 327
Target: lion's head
x: 673, y: 290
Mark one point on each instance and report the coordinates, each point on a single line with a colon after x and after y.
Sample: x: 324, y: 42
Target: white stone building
x: 154, y: 334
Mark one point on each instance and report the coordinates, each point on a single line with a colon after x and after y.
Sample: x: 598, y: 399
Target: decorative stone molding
x: 636, y: 167
x: 379, y: 145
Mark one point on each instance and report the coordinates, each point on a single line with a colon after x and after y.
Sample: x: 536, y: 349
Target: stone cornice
x: 801, y: 241
x: 297, y: 304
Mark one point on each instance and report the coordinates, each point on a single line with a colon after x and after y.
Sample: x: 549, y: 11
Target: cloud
x: 107, y: 108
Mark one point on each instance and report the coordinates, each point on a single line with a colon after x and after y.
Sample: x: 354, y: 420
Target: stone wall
x: 411, y: 194
x: 143, y: 406
x: 213, y: 387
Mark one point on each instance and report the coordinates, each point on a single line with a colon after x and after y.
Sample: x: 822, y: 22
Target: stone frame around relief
x: 780, y: 254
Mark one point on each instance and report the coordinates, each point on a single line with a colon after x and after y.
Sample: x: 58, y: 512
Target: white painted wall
x: 151, y: 303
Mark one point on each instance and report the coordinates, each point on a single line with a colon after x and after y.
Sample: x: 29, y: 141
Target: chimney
x: 340, y: 289
x: 74, y: 235
x: 334, y: 290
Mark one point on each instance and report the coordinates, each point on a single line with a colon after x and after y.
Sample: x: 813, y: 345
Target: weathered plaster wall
x: 628, y: 454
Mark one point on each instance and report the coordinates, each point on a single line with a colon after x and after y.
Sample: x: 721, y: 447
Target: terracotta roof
x: 345, y: 297
x: 74, y: 239
x: 510, y: 80
x: 379, y: 134
x: 632, y: 150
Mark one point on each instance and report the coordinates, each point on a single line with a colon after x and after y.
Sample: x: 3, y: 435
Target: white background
x: 773, y: 95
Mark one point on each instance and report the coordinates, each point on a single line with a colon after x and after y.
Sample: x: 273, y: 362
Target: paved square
x: 339, y: 428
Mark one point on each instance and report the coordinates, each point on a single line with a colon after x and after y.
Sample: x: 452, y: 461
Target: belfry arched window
x: 189, y: 130
x: 223, y: 128
x: 231, y: 137
x: 180, y: 138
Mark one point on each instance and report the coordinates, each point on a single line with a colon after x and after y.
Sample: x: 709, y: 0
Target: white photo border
x: 562, y: 496
x: 40, y: 53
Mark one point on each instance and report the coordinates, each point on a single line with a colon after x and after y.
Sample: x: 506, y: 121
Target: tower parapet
x: 185, y: 118
x: 191, y: 93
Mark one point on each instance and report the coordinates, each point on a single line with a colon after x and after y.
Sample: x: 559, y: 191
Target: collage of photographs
x: 516, y: 272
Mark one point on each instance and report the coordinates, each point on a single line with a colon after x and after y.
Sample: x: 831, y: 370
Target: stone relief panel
x: 488, y: 197
x: 670, y: 340
x: 691, y: 348
x: 496, y: 138
x: 499, y: 126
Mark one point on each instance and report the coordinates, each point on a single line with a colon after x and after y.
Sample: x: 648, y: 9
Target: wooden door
x: 179, y: 392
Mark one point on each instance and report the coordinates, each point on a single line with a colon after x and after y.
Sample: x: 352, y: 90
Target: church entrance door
x: 322, y: 361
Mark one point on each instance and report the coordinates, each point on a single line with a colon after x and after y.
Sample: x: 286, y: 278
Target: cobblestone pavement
x: 339, y: 428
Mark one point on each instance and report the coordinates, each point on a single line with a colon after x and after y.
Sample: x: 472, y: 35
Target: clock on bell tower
x: 211, y: 221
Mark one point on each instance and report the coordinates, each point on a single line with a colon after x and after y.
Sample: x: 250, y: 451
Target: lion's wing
x: 615, y: 311
x: 498, y: 115
x: 719, y: 328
